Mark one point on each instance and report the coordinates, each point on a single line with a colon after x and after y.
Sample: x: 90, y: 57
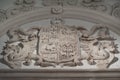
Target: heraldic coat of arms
x: 59, y: 44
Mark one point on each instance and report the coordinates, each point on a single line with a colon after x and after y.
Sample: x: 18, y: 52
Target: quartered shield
x: 59, y: 43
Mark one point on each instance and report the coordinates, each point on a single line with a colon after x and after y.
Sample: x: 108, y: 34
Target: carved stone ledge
x: 53, y: 74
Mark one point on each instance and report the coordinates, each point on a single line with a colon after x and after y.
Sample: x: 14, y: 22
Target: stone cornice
x: 61, y: 73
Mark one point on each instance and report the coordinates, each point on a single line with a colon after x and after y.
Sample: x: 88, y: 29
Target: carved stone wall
x: 60, y: 39
x: 58, y: 45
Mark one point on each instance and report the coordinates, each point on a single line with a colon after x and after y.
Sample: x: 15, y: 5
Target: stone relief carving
x: 20, y: 47
x: 98, y: 5
x: 49, y: 2
x: 57, y: 10
x: 60, y: 45
x: 21, y: 6
x: 3, y: 15
x: 116, y: 10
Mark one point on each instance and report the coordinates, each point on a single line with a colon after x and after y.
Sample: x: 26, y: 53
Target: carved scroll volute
x: 21, y: 6
x: 116, y: 10
x: 20, y: 47
x: 57, y: 10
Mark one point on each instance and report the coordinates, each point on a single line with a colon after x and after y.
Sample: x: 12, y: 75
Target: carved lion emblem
x: 61, y: 45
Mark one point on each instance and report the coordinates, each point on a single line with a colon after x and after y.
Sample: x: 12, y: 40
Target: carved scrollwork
x: 116, y: 10
x: 19, y: 48
x: 51, y: 2
x: 61, y: 45
x: 25, y: 3
x: 57, y: 10
x: 95, y: 5
x: 57, y: 20
x: 60, y: 2
x: 20, y: 7
x: 98, y: 5
x: 2, y: 15
x: 72, y: 2
x: 101, y: 48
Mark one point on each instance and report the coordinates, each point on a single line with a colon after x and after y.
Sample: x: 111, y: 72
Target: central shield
x: 58, y: 43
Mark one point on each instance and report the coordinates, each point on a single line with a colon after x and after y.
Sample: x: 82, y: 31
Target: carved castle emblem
x: 61, y: 45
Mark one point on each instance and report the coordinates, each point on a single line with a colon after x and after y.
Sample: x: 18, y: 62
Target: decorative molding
x: 53, y: 74
x: 69, y: 13
x: 116, y: 10
x: 98, y: 5
x: 57, y: 10
x: 60, y: 45
x: 21, y: 6
x: 45, y: 13
x: 3, y: 15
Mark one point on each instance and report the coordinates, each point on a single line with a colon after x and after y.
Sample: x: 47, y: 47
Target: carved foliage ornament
x: 91, y: 4
x: 116, y: 10
x: 3, y: 15
x: 60, y: 45
x: 21, y: 6
x: 57, y: 10
x: 98, y: 5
